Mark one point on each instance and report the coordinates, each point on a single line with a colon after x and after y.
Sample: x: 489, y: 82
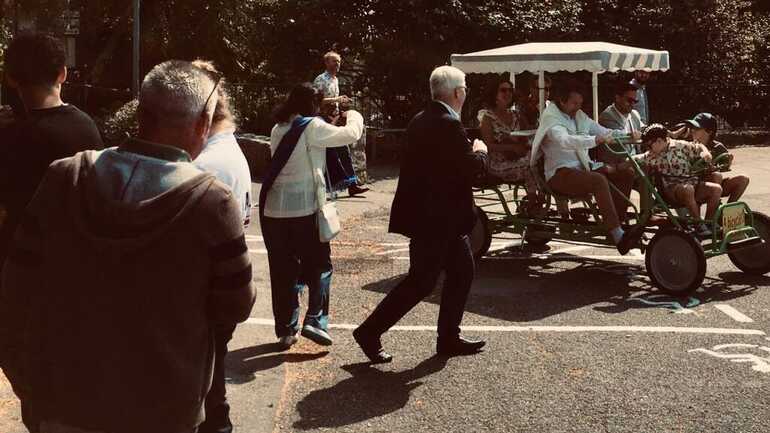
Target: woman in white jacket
x: 296, y: 254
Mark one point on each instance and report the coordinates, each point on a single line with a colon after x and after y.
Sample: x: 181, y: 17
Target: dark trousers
x: 339, y: 166
x: 428, y: 258
x: 297, y: 257
x: 217, y: 408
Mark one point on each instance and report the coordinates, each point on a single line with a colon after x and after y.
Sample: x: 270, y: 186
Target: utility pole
x: 136, y: 37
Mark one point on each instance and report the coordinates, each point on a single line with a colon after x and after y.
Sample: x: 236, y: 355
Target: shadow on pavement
x: 529, y: 290
x: 510, y: 286
x: 242, y: 364
x: 730, y: 285
x: 369, y: 393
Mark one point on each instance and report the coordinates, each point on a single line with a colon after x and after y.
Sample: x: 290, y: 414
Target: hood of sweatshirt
x: 124, y: 198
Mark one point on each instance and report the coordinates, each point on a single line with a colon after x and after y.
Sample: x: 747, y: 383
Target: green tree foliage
x: 719, y: 48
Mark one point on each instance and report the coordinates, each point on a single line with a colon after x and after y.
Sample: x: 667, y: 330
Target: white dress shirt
x: 452, y: 111
x: 564, y: 147
x: 224, y: 159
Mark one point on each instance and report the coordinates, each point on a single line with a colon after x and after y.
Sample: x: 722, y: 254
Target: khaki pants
x: 576, y: 182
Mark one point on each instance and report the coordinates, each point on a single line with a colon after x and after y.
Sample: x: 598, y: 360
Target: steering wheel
x: 721, y: 163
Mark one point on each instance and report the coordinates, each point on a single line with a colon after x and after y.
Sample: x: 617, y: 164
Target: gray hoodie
x: 124, y: 262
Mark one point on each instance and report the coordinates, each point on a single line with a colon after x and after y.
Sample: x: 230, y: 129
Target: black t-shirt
x: 28, y: 146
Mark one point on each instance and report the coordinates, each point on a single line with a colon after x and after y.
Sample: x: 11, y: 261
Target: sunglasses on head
x: 216, y: 84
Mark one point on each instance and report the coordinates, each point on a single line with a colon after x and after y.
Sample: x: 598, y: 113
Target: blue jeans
x: 297, y: 258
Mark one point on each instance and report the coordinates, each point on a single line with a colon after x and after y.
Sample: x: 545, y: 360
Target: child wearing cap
x: 673, y: 160
x: 703, y: 128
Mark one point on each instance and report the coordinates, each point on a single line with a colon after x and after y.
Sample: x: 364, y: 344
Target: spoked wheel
x: 481, y: 235
x: 756, y: 259
x: 675, y: 262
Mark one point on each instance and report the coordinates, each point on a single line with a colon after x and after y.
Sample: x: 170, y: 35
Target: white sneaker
x: 316, y: 335
x: 287, y: 341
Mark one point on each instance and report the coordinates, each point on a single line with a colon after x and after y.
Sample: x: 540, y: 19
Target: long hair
x: 304, y: 99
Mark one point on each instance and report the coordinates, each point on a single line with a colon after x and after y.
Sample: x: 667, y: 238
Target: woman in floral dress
x: 508, y: 155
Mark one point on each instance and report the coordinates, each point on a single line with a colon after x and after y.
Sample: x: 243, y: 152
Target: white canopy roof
x: 562, y: 56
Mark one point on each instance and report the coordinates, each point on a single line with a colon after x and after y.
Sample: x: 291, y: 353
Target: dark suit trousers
x: 428, y: 258
x: 217, y: 408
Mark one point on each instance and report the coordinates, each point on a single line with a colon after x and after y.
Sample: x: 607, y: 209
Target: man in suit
x: 621, y: 116
x: 434, y: 207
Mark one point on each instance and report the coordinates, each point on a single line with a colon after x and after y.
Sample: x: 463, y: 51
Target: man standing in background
x: 642, y: 103
x: 346, y: 166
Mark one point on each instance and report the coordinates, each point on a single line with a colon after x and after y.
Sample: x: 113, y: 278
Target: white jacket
x: 296, y: 192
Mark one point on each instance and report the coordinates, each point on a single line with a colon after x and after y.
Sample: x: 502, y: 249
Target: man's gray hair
x: 444, y: 80
x: 174, y: 92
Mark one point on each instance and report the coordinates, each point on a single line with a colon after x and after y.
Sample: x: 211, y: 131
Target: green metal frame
x: 651, y: 203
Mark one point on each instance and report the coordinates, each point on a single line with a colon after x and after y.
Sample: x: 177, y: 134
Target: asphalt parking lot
x: 578, y: 340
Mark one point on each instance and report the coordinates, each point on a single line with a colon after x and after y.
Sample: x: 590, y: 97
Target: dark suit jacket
x: 434, y: 196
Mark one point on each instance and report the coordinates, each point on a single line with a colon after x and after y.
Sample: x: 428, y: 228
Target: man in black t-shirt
x: 47, y: 130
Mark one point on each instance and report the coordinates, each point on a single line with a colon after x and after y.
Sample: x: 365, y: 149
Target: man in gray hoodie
x: 124, y: 263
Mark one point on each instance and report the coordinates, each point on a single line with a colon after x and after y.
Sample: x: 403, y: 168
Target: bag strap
x: 281, y: 157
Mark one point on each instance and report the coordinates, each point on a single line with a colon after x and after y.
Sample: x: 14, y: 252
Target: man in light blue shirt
x: 642, y: 103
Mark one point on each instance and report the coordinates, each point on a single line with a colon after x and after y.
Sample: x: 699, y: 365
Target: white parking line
x: 397, y: 250
x: 733, y: 313
x: 573, y: 249
x: 482, y: 328
x: 553, y: 256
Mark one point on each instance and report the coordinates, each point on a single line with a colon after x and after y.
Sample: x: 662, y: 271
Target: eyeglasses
x: 505, y: 89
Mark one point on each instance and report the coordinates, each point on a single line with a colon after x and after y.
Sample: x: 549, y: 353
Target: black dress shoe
x: 354, y: 190
x: 372, y: 347
x: 459, y: 346
x: 630, y: 239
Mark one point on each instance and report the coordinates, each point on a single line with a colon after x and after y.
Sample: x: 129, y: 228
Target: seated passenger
x: 508, y: 155
x: 703, y: 128
x: 529, y: 114
x: 564, y: 137
x: 673, y: 160
x: 621, y: 116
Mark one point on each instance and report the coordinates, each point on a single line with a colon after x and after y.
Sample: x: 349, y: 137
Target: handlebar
x: 623, y: 140
x: 720, y: 163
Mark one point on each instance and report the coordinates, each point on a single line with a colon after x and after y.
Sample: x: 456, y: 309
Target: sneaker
x: 317, y: 335
x: 287, y: 341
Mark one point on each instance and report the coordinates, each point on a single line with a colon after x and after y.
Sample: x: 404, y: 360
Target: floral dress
x: 674, y: 163
x: 504, y: 165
